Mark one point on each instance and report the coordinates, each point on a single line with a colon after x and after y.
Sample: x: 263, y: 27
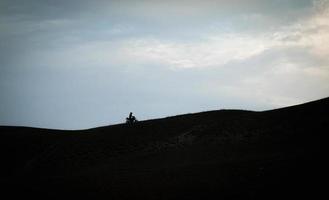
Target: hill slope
x: 225, y: 153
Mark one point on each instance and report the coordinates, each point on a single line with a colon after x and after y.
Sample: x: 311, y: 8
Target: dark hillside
x: 223, y: 154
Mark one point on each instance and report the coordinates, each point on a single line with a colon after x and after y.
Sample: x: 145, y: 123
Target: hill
x: 229, y: 154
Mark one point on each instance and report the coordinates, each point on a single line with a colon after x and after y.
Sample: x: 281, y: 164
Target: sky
x: 77, y: 64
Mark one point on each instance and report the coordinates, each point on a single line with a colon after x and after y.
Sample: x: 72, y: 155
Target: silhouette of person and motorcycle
x: 131, y: 119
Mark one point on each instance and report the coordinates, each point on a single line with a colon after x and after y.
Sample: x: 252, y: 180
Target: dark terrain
x: 225, y: 154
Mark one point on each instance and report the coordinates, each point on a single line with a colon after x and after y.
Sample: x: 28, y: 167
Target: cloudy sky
x: 75, y: 64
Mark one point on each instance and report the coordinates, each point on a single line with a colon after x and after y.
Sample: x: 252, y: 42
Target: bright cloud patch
x: 220, y: 49
x: 284, y: 77
x: 212, y: 51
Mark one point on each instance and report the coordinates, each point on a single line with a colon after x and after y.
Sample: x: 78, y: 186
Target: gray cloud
x: 79, y: 64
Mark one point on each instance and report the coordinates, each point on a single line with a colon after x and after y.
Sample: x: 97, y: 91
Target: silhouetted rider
x: 131, y: 119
